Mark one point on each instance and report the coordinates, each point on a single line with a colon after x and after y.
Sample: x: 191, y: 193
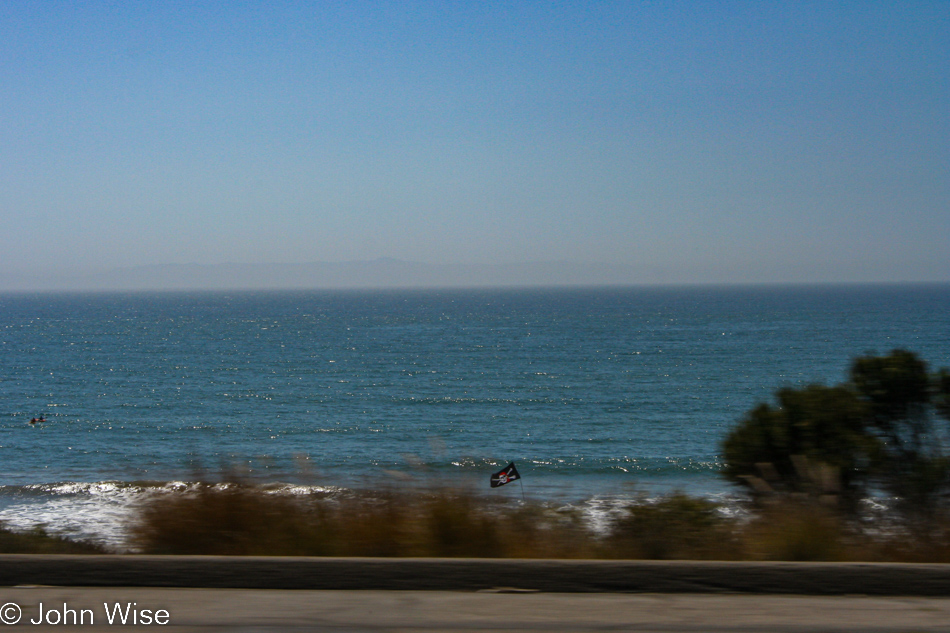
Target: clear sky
x: 691, y: 141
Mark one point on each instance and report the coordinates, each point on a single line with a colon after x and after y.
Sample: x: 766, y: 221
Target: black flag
x: 503, y: 476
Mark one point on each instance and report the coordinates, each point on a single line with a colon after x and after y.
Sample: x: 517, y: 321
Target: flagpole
x: 522, y: 491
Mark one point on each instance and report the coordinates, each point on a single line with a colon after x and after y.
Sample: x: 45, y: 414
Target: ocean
x: 595, y: 393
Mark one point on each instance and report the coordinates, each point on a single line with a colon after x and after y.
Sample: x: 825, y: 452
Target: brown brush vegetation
x: 675, y: 527
x: 241, y: 519
x: 37, y: 541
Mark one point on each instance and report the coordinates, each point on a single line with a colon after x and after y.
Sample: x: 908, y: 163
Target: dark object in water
x: 507, y: 474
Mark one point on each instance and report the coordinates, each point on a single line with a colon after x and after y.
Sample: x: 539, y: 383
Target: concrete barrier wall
x: 476, y: 574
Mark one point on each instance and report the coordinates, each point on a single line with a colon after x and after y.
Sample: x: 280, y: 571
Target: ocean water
x: 593, y: 393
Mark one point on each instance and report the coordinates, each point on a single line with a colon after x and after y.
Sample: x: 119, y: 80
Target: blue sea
x: 594, y: 393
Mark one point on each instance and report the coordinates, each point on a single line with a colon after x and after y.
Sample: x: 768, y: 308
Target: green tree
x: 905, y: 404
x: 825, y: 425
x: 880, y: 428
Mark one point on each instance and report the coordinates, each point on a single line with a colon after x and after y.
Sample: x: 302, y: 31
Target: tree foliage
x: 881, y: 428
x: 904, y: 406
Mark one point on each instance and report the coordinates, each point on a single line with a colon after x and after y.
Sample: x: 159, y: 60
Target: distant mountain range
x: 377, y: 273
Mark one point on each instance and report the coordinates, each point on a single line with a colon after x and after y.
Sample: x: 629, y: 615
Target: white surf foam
x: 98, y: 512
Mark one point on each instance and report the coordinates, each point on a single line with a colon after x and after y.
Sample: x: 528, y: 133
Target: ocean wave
x: 102, y: 512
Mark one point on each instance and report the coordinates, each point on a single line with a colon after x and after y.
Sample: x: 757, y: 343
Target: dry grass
x: 37, y: 541
x: 240, y: 519
x: 802, y: 531
x: 675, y: 527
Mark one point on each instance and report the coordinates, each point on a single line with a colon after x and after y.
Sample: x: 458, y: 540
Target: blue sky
x: 690, y: 141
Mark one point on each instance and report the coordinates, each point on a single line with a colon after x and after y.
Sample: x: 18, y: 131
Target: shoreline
x: 102, y: 511
x: 235, y: 519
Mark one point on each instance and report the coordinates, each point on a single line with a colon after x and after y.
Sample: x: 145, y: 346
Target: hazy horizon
x: 677, y: 142
x: 392, y: 274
